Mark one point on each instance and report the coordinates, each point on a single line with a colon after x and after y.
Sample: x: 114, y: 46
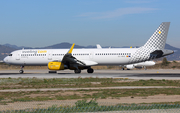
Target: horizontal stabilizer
x: 160, y: 53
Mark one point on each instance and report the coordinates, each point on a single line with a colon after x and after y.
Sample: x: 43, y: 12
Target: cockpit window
x: 10, y: 54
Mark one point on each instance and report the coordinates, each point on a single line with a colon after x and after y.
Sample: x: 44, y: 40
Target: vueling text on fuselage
x: 35, y: 52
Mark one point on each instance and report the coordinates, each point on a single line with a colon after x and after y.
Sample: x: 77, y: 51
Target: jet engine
x: 55, y: 66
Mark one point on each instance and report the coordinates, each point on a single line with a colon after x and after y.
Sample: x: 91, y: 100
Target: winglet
x: 70, y: 51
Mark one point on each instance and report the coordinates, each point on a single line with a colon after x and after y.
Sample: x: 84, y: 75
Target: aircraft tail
x: 154, y: 47
x: 158, y: 39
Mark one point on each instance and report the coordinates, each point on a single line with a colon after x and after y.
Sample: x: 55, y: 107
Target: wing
x: 70, y: 60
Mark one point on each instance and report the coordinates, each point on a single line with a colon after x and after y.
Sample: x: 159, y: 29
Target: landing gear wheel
x: 90, y: 70
x: 77, y: 71
x: 145, y: 68
x: 52, y: 71
x: 21, y: 71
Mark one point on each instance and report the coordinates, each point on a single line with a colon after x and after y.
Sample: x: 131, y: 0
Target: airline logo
x: 35, y: 52
x: 29, y: 51
x: 159, y: 32
x: 43, y: 51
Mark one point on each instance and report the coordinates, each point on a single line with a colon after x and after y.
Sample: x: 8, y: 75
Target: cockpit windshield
x: 10, y: 54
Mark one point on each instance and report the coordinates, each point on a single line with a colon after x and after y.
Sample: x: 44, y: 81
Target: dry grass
x: 35, y: 83
x: 14, y: 67
x: 86, y: 94
x: 170, y: 65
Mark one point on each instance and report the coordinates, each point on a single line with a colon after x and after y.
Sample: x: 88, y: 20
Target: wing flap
x: 89, y: 63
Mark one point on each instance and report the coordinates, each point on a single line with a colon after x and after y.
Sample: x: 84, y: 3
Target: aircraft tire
x: 52, y: 71
x: 90, y: 70
x: 21, y: 71
x: 77, y: 71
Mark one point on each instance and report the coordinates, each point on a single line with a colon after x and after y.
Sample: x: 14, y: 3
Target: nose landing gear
x: 21, y: 71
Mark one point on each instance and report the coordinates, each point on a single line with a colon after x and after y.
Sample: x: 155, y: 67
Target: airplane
x: 138, y: 65
x: 79, y: 59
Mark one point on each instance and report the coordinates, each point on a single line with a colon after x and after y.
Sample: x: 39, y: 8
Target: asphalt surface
x: 130, y: 74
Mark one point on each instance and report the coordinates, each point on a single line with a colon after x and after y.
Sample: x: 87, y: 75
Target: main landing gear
x: 77, y: 71
x: 21, y: 71
x: 90, y: 70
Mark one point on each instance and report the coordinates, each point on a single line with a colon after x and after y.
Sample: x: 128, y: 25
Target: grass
x: 10, y: 83
x: 92, y: 106
x: 86, y: 94
x: 9, y: 97
x: 35, y: 83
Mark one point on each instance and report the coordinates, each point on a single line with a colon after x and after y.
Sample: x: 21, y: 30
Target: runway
x: 128, y: 74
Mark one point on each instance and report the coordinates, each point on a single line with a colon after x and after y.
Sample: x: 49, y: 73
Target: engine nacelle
x: 130, y: 67
x: 55, y: 66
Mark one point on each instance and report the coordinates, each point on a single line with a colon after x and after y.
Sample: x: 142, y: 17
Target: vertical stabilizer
x: 156, y: 42
x: 158, y: 39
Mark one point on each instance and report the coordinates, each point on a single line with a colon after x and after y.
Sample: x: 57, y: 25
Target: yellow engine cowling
x: 55, y: 66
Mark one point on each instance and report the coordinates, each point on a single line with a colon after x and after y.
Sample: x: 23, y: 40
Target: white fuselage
x: 77, y: 59
x: 109, y: 56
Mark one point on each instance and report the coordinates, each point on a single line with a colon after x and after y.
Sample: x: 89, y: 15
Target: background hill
x: 7, y: 48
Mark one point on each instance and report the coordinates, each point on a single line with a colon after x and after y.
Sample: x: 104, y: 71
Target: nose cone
x: 5, y: 60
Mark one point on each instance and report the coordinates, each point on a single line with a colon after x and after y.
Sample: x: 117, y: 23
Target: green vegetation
x: 92, y: 106
x: 35, y: 83
x: 11, y: 83
x: 84, y: 103
x: 84, y: 94
x: 165, y: 62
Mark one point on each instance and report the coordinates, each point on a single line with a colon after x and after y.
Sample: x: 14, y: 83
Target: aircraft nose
x: 5, y: 60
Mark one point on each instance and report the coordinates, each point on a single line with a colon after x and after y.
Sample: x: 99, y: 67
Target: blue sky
x: 39, y: 23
